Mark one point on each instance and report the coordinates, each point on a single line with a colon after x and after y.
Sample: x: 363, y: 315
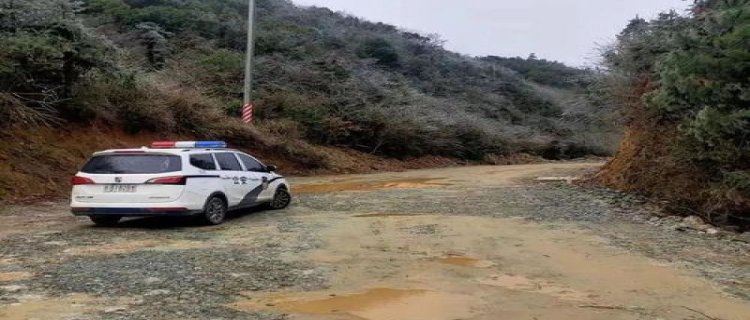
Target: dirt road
x: 443, y: 244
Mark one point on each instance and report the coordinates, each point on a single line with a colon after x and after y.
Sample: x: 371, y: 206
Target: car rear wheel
x: 281, y: 199
x: 215, y: 212
x: 105, y: 221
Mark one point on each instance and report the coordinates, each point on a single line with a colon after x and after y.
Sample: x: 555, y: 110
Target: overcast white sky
x: 563, y: 30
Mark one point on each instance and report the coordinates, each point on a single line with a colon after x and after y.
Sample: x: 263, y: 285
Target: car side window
x: 251, y: 164
x: 228, y: 162
x: 203, y: 161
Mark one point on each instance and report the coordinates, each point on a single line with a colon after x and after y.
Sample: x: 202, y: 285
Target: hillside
x: 683, y: 80
x: 323, y: 79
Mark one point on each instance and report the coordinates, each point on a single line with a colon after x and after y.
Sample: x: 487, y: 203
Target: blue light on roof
x: 210, y: 144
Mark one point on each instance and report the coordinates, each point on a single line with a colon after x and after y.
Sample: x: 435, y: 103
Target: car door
x: 231, y: 177
x: 258, y: 174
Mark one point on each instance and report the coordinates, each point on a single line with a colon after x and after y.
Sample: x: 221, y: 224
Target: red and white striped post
x: 247, y: 108
x: 247, y: 113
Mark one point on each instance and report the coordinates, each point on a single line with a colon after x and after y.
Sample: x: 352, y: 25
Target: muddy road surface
x: 444, y: 244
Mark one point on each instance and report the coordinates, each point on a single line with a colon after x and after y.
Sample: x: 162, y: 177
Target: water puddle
x: 521, y: 283
x: 374, y: 304
x: 368, y: 185
x: 463, y: 261
x: 15, y: 276
x: 133, y: 246
x: 36, y: 307
x: 348, y: 303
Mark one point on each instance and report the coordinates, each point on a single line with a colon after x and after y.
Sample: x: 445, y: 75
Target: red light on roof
x: 163, y: 144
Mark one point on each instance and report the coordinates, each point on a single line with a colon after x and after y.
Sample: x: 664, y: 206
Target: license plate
x: 120, y: 188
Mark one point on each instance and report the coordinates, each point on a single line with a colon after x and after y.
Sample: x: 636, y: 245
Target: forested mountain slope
x: 684, y: 81
x: 175, y: 67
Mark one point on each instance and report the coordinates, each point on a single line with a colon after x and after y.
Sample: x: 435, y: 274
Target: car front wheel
x: 281, y: 199
x: 216, y: 211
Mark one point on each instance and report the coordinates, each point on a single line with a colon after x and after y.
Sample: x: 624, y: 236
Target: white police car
x: 175, y: 179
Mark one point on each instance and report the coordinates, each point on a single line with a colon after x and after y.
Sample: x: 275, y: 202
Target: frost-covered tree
x: 19, y: 14
x: 154, y: 39
x: 46, y: 50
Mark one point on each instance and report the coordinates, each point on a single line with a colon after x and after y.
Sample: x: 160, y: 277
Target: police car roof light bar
x: 189, y: 145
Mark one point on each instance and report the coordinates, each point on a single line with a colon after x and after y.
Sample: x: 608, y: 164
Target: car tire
x: 215, y: 211
x: 105, y: 221
x: 281, y: 199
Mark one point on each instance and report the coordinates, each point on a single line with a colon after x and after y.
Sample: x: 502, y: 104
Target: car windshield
x: 132, y: 164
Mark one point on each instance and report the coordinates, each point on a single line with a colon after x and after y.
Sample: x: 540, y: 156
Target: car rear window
x: 132, y: 164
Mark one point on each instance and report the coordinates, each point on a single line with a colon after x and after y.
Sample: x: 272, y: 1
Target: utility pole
x: 250, y: 52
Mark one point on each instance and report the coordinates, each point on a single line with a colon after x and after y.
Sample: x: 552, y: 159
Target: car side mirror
x: 271, y: 168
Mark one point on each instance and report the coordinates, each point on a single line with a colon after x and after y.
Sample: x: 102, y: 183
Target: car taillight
x: 179, y: 180
x: 77, y: 181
